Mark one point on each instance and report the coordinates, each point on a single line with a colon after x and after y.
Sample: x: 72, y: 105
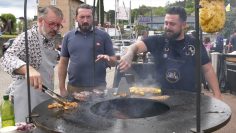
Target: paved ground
x: 5, y: 80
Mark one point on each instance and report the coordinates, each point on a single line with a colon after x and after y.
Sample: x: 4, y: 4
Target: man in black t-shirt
x: 174, y: 54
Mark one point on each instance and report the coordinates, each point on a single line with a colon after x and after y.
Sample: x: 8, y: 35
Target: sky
x: 110, y: 4
x: 16, y: 7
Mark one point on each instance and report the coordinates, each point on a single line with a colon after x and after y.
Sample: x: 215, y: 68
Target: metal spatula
x: 54, y: 95
x: 123, y: 88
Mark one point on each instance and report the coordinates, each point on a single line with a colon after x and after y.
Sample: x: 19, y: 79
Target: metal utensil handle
x: 51, y: 91
x: 118, y: 75
x: 54, y: 95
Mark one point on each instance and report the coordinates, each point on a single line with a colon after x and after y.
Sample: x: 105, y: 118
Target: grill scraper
x: 123, y: 88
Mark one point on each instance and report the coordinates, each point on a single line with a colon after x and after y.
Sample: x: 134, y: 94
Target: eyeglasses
x: 53, y: 24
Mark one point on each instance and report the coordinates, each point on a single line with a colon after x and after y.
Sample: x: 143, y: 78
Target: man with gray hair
x: 42, y: 60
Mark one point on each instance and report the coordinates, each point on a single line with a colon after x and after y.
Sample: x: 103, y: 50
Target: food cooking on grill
x: 211, y: 15
x: 68, y: 105
x: 98, y: 92
x: 138, y: 90
x: 123, y: 94
x: 82, y: 96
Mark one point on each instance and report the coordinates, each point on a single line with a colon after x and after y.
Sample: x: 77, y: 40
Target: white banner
x: 123, y: 13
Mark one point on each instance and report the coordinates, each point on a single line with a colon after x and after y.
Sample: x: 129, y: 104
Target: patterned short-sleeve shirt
x: 15, y: 55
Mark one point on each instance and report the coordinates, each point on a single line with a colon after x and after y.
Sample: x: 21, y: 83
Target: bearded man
x: 174, y: 53
x: 42, y: 60
x: 85, y: 54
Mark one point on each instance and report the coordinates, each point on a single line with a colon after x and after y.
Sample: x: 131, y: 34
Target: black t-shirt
x: 175, y: 61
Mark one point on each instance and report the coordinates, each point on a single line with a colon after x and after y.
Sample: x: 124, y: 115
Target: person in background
x: 100, y: 27
x: 232, y: 42
x: 174, y: 55
x: 227, y: 47
x: 207, y: 44
x: 219, y: 43
x: 84, y: 61
x: 42, y: 60
x: 193, y: 34
x: 144, y: 35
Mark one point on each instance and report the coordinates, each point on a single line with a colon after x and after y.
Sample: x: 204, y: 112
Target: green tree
x: 230, y: 23
x: 10, y: 22
x: 100, y: 7
x: 134, y: 15
x: 187, y: 4
x: 159, y: 11
x: 111, y: 16
x: 144, y: 10
x: 139, y: 28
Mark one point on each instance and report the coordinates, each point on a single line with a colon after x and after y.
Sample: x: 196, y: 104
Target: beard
x: 48, y: 35
x: 85, y: 27
x: 171, y: 35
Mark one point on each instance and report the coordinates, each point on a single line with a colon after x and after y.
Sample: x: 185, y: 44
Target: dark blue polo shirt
x: 79, y: 47
x: 177, y: 69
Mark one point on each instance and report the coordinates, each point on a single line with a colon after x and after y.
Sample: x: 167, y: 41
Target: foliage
x: 9, y: 16
x: 101, y: 13
x: 159, y: 11
x: 154, y: 11
x: 230, y: 23
x: 139, y: 28
x: 189, y: 4
x: 10, y: 19
x: 134, y: 15
x: 189, y: 10
x: 9, y: 36
x: 232, y: 3
x: 111, y: 16
x: 144, y: 10
x: 20, y: 26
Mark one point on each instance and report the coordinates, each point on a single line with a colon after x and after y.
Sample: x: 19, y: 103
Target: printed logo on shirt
x: 172, y: 75
x: 190, y: 50
x: 98, y: 44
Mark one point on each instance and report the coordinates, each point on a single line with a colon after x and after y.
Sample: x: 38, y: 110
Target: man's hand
x: 35, y: 78
x: 124, y: 64
x: 102, y: 57
x: 126, y: 60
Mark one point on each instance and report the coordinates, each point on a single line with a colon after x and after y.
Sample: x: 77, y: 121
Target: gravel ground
x: 230, y: 99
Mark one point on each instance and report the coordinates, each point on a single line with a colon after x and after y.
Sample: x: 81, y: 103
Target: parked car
x: 120, y: 45
x: 7, y: 44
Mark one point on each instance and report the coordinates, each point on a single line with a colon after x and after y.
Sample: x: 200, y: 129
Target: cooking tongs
x: 54, y: 95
